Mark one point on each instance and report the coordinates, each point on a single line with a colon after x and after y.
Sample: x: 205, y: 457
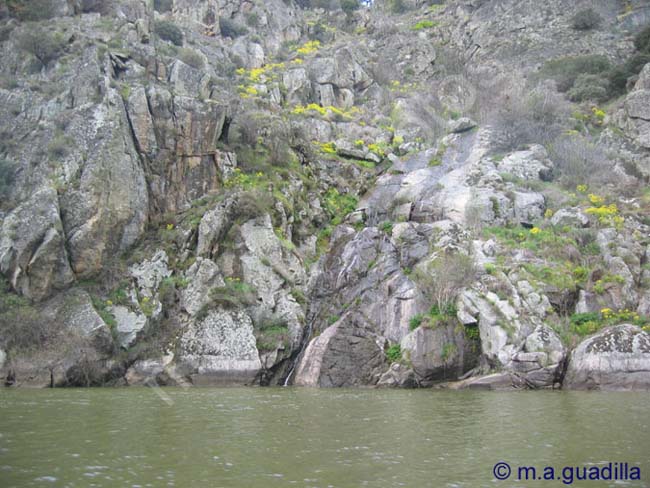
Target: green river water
x: 277, y: 437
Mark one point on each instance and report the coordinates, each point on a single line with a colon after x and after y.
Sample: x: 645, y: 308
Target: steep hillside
x: 400, y: 194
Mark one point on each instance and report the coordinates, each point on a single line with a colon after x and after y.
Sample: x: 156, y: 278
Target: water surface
x: 265, y: 437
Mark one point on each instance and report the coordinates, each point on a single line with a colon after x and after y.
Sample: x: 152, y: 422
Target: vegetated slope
x: 260, y: 192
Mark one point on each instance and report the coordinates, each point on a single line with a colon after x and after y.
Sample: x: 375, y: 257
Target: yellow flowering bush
x: 595, y: 199
x: 309, y: 47
x: 329, y: 111
x: 598, y: 115
x: 327, y: 147
x: 244, y: 180
x: 606, y: 214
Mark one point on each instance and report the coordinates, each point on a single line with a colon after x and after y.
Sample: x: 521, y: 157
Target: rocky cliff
x: 405, y: 193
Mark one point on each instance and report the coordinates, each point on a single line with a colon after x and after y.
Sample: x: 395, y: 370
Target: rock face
x: 218, y: 192
x: 32, y: 247
x: 616, y: 358
x: 437, y: 354
x: 220, y: 349
x: 637, y: 107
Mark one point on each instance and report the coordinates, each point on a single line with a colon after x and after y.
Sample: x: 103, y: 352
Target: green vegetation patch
x: 338, y: 205
x: 394, y: 353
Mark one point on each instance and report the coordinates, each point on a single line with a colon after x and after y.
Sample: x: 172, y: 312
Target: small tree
x: 566, y: 70
x: 444, y: 278
x: 230, y: 28
x: 31, y: 10
x: 579, y: 162
x: 586, y: 19
x: 350, y: 6
x: 44, y: 46
x: 590, y: 87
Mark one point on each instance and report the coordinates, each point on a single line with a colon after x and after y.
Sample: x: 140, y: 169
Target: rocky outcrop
x: 220, y: 349
x: 32, y: 247
x: 637, y: 109
x: 439, y: 353
x: 348, y: 353
x: 616, y: 358
x: 227, y: 192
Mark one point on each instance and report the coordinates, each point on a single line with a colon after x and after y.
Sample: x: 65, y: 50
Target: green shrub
x: 350, y: 6
x: 191, y: 58
x: 252, y: 19
x: 580, y: 274
x: 579, y: 162
x: 642, y: 40
x: 7, y: 174
x: 443, y: 279
x: 397, y: 6
x: 31, y: 10
x: 168, y: 31
x: 338, y: 206
x: 58, y: 147
x: 416, y: 321
x: 586, y: 19
x: 271, y: 334
x: 386, y: 227
x: 472, y: 332
x: 233, y: 295
x: 102, y: 7
x: 423, y: 24
x: 619, y: 76
x: 163, y: 5
x: 230, y: 28
x: 394, y: 353
x: 589, y: 87
x: 566, y: 70
x: 21, y: 327
x: 585, y: 323
x: 252, y: 204
x: 42, y: 44
x: 521, y: 117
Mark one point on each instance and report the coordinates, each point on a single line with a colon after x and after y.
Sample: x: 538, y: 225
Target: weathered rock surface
x: 348, y: 353
x: 220, y: 349
x: 32, y: 247
x: 616, y: 358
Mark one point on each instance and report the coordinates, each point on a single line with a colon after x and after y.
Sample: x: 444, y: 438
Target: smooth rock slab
x: 616, y: 358
x: 346, y: 354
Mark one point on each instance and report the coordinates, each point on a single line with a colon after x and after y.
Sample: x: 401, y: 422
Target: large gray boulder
x: 435, y: 354
x: 616, y: 358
